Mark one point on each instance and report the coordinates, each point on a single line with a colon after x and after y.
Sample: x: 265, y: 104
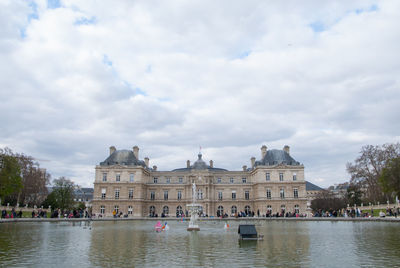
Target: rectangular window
x: 180, y: 180
x: 247, y: 195
x: 130, y: 194
x: 199, y: 194
x: 103, y: 193
x: 116, y: 193
x: 267, y: 177
x: 218, y: 180
x: 102, y: 210
x: 104, y: 176
x: 244, y: 180
x: 155, y: 180
x: 219, y: 195
x: 233, y: 195
x: 165, y: 195
x: 116, y: 208
x: 168, y: 180
x: 130, y: 210
x: 294, y: 176
x: 295, y: 193
x: 118, y: 177
x: 152, y: 195
x: 282, y: 193
x: 179, y: 195
x: 268, y: 193
x: 280, y: 176
x: 131, y: 177
x: 231, y: 180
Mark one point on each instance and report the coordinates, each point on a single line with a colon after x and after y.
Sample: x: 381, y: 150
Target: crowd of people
x: 81, y: 213
x: 12, y: 214
x: 356, y: 212
x: 42, y: 213
x: 74, y: 213
x: 39, y: 214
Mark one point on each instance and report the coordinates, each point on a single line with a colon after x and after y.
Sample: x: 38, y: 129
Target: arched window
x: 247, y: 210
x: 296, y: 209
x: 179, y: 211
x: 130, y: 210
x: 269, y: 208
x: 234, y: 210
x: 283, y: 208
x: 165, y: 210
x: 220, y: 211
x: 152, y: 211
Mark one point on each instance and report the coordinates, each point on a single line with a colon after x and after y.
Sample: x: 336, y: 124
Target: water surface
x: 135, y: 244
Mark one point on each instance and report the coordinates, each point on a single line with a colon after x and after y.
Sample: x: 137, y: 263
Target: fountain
x: 194, y: 211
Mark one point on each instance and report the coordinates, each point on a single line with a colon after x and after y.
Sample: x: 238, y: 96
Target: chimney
x: 155, y: 168
x: 286, y: 149
x: 253, y: 161
x: 211, y: 164
x: 263, y: 151
x: 244, y: 168
x: 136, y: 152
x: 146, y: 161
x: 112, y: 149
x: 188, y: 164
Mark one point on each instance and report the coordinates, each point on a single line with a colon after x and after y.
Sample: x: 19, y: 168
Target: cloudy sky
x: 170, y: 76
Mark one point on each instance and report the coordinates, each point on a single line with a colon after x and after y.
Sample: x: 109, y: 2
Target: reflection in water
x: 366, y: 238
x: 135, y: 243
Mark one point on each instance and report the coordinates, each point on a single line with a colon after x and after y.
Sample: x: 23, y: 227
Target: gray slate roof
x: 247, y: 230
x: 312, y: 187
x: 122, y: 157
x: 199, y: 165
x: 277, y: 157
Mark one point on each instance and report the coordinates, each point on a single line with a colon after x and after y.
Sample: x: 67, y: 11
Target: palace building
x: 273, y: 184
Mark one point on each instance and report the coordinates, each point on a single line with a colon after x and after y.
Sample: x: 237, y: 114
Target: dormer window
x: 118, y: 177
x: 155, y: 180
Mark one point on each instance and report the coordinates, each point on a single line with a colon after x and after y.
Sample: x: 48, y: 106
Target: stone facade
x: 126, y: 184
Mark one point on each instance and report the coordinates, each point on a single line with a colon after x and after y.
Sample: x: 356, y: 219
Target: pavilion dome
x: 277, y: 157
x: 122, y: 157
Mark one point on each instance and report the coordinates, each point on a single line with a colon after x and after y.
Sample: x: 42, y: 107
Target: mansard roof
x: 122, y: 157
x: 312, y: 187
x: 199, y: 165
x: 277, y: 157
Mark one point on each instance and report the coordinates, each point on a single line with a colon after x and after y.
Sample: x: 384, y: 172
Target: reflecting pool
x: 136, y: 244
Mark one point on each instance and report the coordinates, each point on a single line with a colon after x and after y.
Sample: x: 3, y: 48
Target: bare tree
x: 326, y: 200
x: 34, y: 180
x: 367, y: 168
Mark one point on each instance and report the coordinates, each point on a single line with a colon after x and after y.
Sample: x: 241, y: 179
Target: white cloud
x: 321, y: 77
